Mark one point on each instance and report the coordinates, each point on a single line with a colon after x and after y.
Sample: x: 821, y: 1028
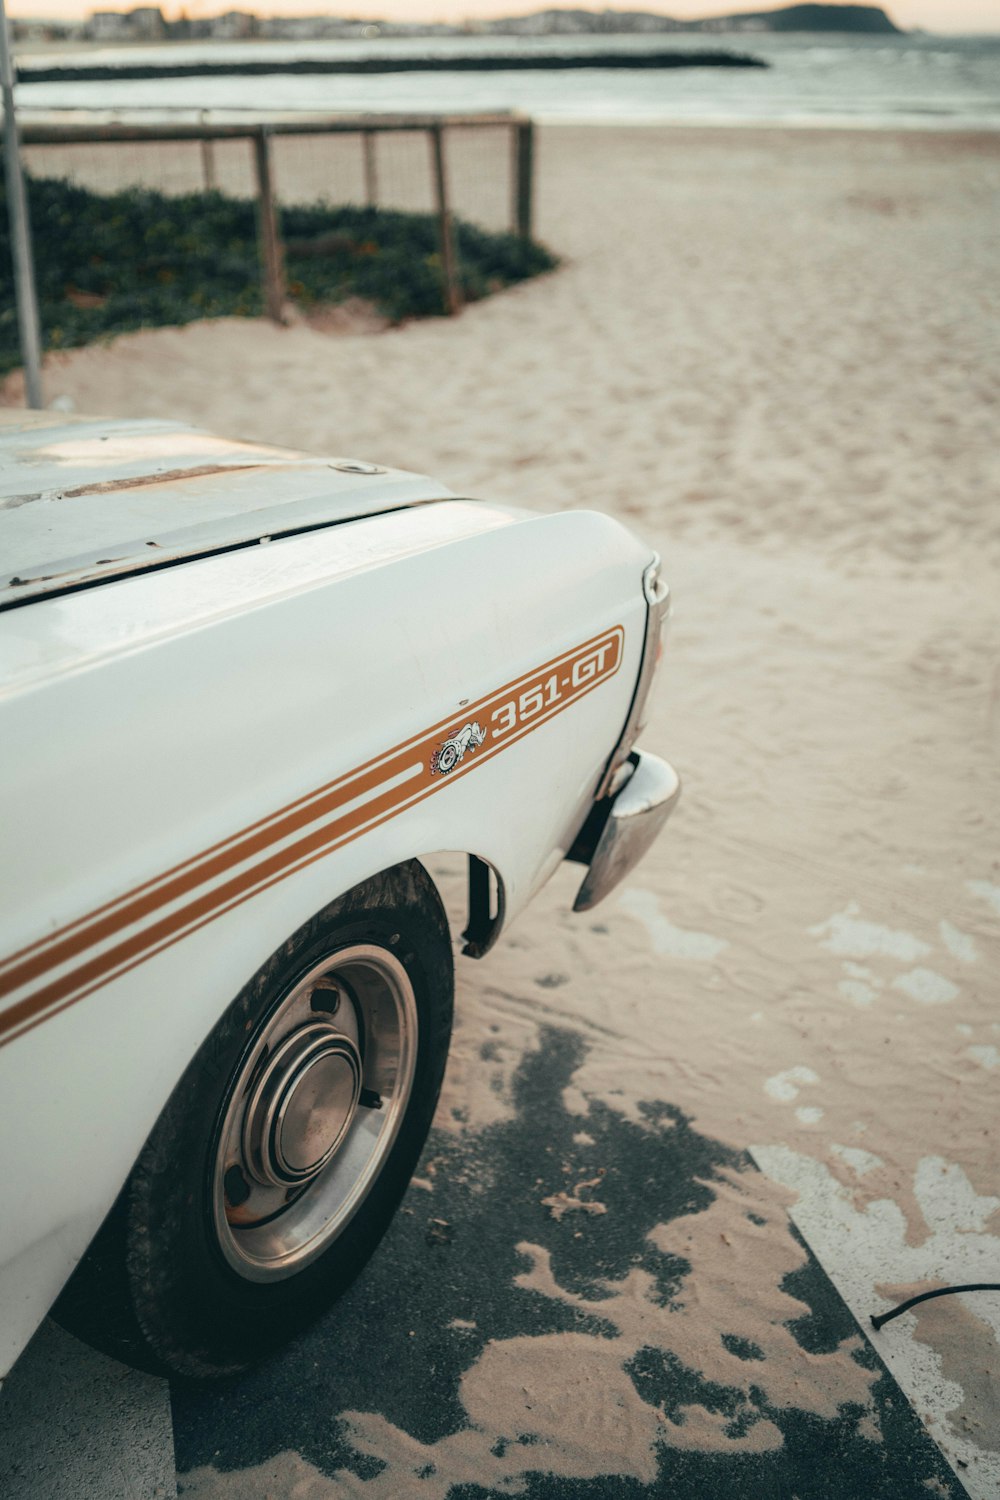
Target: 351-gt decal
x: 566, y: 681
x: 60, y: 969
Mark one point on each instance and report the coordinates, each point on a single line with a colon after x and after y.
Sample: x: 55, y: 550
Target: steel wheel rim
x: 313, y: 1111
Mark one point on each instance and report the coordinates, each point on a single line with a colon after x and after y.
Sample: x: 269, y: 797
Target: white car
x: 244, y: 695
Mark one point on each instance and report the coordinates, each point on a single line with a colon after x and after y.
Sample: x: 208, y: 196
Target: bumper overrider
x: 638, y: 791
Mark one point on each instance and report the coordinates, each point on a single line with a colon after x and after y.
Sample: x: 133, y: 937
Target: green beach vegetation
x: 111, y: 263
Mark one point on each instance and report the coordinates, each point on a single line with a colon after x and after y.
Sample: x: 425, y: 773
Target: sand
x: 774, y: 353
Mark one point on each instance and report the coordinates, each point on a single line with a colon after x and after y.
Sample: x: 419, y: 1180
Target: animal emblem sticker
x: 454, y: 749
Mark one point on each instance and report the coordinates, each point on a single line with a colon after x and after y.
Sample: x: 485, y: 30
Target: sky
x: 934, y: 15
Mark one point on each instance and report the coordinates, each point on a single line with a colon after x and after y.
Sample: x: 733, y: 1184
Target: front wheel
x: 282, y: 1154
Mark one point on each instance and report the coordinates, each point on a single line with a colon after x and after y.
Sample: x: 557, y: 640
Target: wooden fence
x: 368, y: 129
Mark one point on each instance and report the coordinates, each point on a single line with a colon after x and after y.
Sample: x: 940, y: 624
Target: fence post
x: 207, y: 160
x: 272, y: 260
x: 524, y: 177
x: 20, y: 231
x: 371, y: 168
x: 449, y: 277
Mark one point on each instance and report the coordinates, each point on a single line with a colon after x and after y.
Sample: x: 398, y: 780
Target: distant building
x: 146, y: 23
x: 29, y: 29
x: 108, y: 26
x: 306, y: 27
x: 579, y: 23
x: 234, y: 26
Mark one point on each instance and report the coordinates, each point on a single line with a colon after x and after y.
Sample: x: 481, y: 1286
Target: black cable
x: 943, y: 1291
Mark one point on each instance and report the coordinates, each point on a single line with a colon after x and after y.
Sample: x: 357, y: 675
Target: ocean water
x: 903, y: 82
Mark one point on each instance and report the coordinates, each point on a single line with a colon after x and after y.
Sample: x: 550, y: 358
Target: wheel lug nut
x: 325, y: 997
x: 236, y: 1187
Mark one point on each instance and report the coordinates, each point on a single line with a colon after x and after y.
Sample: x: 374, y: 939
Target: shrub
x: 111, y: 263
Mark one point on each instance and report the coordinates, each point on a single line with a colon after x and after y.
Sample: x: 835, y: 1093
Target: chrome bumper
x: 621, y: 827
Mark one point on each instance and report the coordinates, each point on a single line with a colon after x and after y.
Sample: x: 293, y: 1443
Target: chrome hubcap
x: 313, y: 1112
x: 302, y: 1105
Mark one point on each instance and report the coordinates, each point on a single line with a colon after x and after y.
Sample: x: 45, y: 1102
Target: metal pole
x: 20, y: 229
x: 449, y: 268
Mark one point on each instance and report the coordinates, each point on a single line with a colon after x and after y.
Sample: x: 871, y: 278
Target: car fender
x: 160, y: 737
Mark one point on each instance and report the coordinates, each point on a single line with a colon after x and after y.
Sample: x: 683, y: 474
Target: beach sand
x: 774, y: 354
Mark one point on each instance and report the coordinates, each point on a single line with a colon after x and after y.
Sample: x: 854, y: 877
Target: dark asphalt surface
x: 391, y: 1345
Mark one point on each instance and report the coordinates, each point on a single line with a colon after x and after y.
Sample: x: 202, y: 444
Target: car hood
x: 84, y: 500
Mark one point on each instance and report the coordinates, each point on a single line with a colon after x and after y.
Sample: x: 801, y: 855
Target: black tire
x: 159, y: 1287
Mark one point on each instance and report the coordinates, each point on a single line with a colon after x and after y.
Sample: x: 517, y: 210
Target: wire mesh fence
x: 377, y: 163
x: 172, y: 168
x: 368, y: 206
x: 476, y: 167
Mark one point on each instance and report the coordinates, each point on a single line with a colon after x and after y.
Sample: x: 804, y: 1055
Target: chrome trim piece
x: 634, y: 818
x: 657, y: 596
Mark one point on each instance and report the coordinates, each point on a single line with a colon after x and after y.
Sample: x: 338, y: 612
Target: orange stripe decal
x: 62, y: 968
